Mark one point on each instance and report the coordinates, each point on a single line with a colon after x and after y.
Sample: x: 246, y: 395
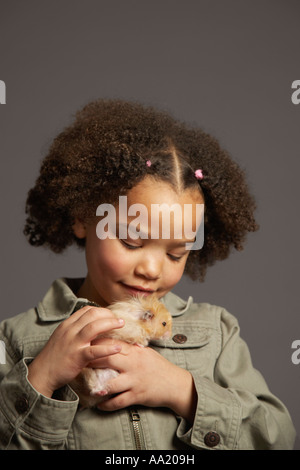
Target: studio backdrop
x: 231, y: 67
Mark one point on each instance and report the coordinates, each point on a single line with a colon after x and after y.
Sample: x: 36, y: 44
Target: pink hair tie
x: 199, y: 174
x: 148, y: 163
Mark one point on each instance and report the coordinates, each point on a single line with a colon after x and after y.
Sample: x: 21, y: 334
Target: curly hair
x: 103, y: 154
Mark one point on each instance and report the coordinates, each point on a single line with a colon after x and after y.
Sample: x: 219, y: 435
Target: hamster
x: 146, y: 318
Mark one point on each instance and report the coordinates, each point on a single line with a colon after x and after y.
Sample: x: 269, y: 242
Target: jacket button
x: 22, y: 404
x: 212, y: 439
x: 179, y: 339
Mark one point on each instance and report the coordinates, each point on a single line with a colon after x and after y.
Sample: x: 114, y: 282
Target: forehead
x: 162, y: 211
x: 152, y: 191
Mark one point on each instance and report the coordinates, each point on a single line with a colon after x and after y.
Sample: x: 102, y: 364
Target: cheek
x: 173, y: 275
x: 106, y: 257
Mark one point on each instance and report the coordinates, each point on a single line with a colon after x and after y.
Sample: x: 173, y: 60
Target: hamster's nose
x: 167, y: 334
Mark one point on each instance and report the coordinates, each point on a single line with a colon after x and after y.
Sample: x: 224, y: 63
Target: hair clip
x: 148, y: 163
x: 199, y: 174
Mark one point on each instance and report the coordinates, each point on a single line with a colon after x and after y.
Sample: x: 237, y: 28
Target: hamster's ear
x: 79, y: 229
x: 147, y: 315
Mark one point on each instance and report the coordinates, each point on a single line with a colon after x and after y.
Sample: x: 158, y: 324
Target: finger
x: 125, y: 346
x: 93, y: 353
x: 107, y: 362
x: 110, y: 344
x: 106, y: 340
x: 97, y: 327
x: 121, y: 362
x: 118, y: 402
x: 76, y: 315
x: 89, y: 313
x: 120, y: 384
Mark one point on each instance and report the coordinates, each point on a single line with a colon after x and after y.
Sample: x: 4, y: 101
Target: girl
x: 197, y: 389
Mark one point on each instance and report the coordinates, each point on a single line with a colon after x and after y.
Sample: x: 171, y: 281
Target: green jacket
x: 235, y: 408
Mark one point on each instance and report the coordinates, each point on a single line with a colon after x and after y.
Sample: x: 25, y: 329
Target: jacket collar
x: 175, y: 304
x: 61, y: 301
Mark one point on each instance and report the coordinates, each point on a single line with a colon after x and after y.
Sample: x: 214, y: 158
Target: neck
x: 88, y: 291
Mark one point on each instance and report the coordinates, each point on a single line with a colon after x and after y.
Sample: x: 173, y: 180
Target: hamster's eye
x: 164, y: 323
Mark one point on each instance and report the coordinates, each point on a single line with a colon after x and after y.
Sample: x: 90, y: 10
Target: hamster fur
x: 146, y: 318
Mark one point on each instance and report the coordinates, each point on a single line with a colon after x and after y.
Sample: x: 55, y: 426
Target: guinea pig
x: 145, y: 319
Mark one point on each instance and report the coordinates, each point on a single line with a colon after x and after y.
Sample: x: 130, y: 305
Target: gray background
x: 227, y: 66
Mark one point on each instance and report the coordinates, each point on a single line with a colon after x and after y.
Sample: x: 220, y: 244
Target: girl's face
x: 121, y: 266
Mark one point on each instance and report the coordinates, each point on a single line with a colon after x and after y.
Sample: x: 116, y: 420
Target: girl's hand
x: 70, y: 348
x: 147, y: 378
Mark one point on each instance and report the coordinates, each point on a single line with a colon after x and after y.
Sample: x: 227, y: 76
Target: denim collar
x: 61, y: 301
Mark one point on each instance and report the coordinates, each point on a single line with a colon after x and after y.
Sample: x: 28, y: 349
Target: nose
x: 149, y: 266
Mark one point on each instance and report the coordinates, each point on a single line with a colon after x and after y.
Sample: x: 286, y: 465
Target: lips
x: 138, y: 289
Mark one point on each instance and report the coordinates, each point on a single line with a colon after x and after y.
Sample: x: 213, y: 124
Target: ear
x: 79, y: 229
x: 147, y: 316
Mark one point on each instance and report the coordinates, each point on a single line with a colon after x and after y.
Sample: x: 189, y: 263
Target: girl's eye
x: 127, y: 245
x: 175, y: 258
x: 135, y: 247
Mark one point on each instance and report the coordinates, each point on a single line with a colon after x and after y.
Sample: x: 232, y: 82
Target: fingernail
x: 121, y: 321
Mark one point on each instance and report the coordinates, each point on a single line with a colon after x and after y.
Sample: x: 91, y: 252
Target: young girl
x: 197, y: 389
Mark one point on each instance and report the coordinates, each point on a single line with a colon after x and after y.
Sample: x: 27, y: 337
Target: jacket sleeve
x: 29, y: 420
x: 236, y: 410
